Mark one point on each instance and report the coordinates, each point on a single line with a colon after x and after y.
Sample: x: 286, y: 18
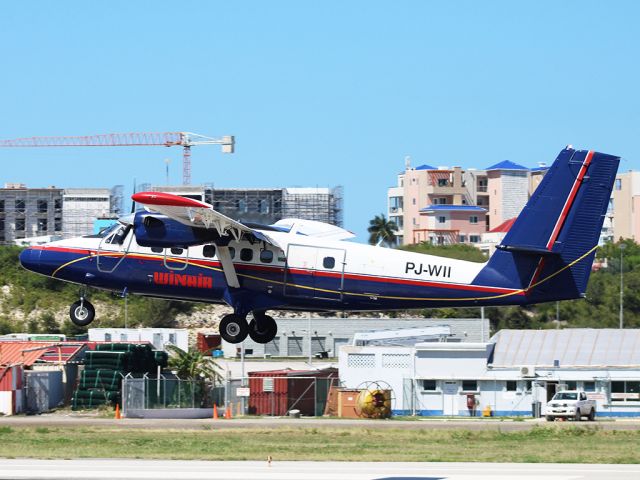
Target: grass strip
x: 541, y: 444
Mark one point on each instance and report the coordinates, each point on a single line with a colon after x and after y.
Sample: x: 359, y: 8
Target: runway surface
x: 160, y: 469
x: 74, y: 420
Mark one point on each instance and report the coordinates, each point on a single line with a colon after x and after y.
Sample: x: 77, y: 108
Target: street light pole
x: 622, y: 247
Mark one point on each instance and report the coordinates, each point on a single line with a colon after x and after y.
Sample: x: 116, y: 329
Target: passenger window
x: 156, y: 249
x: 176, y: 251
x: 329, y: 262
x: 246, y: 254
x: 266, y: 256
x: 232, y: 252
x: 209, y: 251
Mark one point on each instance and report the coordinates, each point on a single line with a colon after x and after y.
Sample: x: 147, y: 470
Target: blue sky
x: 316, y: 93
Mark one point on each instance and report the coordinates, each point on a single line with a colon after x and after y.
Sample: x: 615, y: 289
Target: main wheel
x: 233, y: 328
x: 82, y: 313
x: 578, y: 416
x: 263, y: 329
x: 550, y: 418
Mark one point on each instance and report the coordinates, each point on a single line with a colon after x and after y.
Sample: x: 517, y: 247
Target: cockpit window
x: 119, y: 235
x: 105, y: 232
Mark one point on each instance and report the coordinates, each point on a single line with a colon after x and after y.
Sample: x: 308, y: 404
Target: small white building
x: 509, y: 374
x: 158, y: 337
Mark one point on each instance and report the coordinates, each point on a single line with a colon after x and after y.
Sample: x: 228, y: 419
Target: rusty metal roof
x: 28, y: 353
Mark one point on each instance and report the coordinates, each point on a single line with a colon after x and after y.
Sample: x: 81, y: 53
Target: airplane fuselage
x: 307, y: 274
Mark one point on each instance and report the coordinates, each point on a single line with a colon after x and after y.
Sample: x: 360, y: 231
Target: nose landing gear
x: 234, y: 328
x: 82, y: 312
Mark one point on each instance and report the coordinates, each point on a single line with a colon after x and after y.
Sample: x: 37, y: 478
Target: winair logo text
x: 428, y: 269
x: 182, y: 280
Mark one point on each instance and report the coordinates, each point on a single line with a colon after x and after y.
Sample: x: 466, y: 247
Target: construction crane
x: 134, y: 139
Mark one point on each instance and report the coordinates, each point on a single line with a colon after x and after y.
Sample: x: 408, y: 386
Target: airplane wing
x: 314, y: 228
x: 202, y: 215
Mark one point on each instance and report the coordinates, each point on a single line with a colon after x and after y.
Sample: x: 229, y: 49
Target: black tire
x: 82, y: 313
x: 578, y: 416
x: 550, y: 418
x: 233, y: 328
x: 592, y: 415
x: 264, y: 330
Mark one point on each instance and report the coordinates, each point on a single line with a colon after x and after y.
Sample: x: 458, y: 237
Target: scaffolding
x: 29, y: 212
x: 319, y: 204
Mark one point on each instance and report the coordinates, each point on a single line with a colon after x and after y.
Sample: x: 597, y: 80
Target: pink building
x: 449, y: 224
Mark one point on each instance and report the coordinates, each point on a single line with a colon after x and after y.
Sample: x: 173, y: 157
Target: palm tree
x: 381, y: 229
x: 193, y: 365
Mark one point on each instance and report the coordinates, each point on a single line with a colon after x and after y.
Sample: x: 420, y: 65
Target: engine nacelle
x: 156, y: 230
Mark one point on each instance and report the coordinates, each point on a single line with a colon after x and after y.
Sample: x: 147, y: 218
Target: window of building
x: 57, y: 204
x: 209, y: 251
x: 156, y: 249
x: 625, y: 391
x: 443, y: 182
x: 176, y: 251
x: 1, y: 206
x: 42, y: 224
x: 473, y: 219
x: 266, y: 256
x: 429, y: 385
x: 512, y: 386
x: 263, y: 206
x: 123, y: 337
x: 474, y: 238
x: 413, y: 200
x: 442, y: 219
x: 329, y: 262
x: 469, y: 385
x: 20, y: 224
x: 242, y: 205
x: 618, y: 184
x: 20, y: 206
x: 246, y: 254
x: 43, y: 206
x: 528, y: 385
x: 571, y: 384
x: 57, y: 225
x: 172, y: 338
x: 589, y: 386
x: 462, y: 238
x: 107, y: 337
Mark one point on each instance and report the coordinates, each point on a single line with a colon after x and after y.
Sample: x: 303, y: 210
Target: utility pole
x: 622, y: 247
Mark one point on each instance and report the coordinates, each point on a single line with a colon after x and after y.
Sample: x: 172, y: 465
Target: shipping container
x: 276, y: 392
x: 208, y: 342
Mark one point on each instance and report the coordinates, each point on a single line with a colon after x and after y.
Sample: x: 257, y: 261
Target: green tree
x: 193, y: 365
x: 382, y: 229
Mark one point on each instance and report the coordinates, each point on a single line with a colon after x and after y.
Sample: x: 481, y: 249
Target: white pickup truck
x: 570, y: 404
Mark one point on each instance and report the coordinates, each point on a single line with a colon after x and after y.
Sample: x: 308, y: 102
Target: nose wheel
x: 82, y: 313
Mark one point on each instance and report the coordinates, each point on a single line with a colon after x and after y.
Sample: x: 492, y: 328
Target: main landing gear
x: 82, y: 312
x: 234, y: 328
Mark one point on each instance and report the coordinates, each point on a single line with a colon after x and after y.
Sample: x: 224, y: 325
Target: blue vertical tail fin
x: 549, y: 250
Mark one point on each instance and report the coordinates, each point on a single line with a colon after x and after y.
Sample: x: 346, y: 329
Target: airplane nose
x: 30, y: 259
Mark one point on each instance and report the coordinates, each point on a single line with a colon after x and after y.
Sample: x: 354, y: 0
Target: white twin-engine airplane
x: 180, y: 248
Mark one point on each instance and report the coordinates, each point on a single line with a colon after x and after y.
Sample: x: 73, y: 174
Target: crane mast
x: 132, y: 139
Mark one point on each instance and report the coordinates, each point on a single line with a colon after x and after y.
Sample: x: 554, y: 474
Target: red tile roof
x: 28, y: 353
x: 504, y: 226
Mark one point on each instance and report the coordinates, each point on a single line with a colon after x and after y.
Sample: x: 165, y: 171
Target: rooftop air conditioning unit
x: 527, y: 371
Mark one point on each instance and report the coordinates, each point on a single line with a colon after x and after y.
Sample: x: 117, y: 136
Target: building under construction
x: 266, y: 205
x: 39, y: 215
